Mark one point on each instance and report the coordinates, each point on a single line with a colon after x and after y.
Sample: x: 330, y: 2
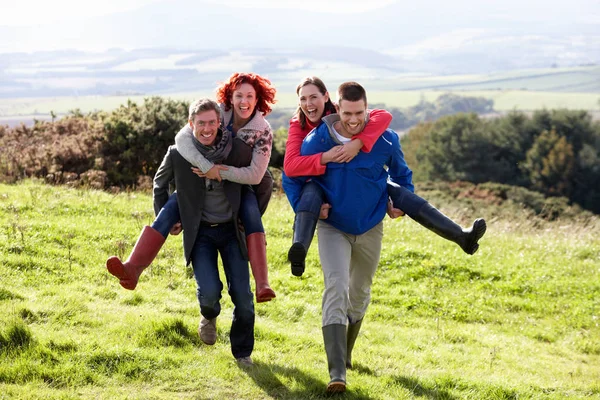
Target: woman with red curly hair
x: 245, y: 99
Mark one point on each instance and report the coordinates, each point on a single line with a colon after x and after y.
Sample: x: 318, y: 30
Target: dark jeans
x: 311, y: 199
x: 167, y: 216
x: 222, y: 239
x: 249, y: 214
x: 404, y: 199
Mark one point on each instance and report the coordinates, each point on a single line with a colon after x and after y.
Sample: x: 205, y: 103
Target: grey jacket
x: 191, y: 189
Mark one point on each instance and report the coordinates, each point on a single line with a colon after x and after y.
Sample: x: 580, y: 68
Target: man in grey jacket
x: 209, y: 218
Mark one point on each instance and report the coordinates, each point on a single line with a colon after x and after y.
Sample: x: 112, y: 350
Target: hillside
x: 519, y: 319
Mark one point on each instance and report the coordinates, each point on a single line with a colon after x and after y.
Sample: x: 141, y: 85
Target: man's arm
x: 397, y: 167
x: 160, y: 188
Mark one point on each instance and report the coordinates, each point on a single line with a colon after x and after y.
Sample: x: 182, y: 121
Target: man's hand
x: 176, y: 229
x: 213, y: 173
x: 324, y: 211
x: 393, y: 212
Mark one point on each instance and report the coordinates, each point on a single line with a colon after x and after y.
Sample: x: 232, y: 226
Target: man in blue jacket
x: 350, y: 237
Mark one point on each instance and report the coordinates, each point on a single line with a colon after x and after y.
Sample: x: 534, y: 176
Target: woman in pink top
x: 313, y: 104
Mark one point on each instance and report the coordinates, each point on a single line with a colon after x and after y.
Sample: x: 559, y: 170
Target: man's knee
x: 242, y: 299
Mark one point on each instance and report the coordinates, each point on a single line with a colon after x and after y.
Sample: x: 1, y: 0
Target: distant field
x: 573, y: 88
x: 13, y: 111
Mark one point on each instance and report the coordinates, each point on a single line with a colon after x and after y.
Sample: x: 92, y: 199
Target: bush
x: 136, y: 138
x: 278, y: 153
x: 554, y: 152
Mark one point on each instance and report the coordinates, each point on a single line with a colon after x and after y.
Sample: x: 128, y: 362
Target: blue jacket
x: 357, y: 191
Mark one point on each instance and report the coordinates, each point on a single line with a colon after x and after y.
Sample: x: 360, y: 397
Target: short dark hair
x: 202, y: 105
x: 351, y: 91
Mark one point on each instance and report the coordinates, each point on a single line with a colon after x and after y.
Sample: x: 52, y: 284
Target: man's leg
x: 238, y: 281
x: 365, y: 259
x: 209, y: 285
x: 335, y: 250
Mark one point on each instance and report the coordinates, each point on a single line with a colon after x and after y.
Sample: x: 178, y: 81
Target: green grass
x: 519, y: 320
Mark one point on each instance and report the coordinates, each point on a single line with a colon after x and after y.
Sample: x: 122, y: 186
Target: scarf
x: 215, y: 153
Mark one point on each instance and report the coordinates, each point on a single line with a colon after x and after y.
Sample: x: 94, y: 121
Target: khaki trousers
x: 349, y: 263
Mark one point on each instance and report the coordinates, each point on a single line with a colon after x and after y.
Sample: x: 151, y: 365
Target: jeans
x: 222, y: 239
x: 404, y: 199
x: 168, y: 216
x: 249, y: 212
x: 311, y: 198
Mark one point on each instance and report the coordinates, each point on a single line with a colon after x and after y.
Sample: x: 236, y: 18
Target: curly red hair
x: 265, y: 92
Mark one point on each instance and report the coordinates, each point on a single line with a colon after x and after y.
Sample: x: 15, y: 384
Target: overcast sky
x: 33, y: 12
x: 35, y: 25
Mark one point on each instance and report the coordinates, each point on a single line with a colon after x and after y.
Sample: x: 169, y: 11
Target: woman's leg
x: 305, y: 222
x: 167, y: 216
x: 147, y: 246
x: 428, y: 216
x: 257, y: 245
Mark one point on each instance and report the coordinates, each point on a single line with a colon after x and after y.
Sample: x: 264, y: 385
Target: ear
x: 337, y: 108
x: 191, y: 124
x: 326, y: 97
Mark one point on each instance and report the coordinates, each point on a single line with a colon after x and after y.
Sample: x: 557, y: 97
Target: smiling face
x: 205, y: 126
x: 312, y: 102
x: 352, y: 117
x: 244, y: 101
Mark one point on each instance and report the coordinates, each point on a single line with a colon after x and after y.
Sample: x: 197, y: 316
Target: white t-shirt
x: 339, y: 137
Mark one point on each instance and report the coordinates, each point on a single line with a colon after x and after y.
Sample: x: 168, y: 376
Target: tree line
x: 553, y: 152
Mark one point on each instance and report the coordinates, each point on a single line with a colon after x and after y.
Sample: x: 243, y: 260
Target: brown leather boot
x: 145, y: 250
x: 257, y: 253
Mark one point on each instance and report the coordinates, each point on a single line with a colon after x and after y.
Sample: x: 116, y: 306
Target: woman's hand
x: 349, y: 151
x: 213, y: 173
x: 342, y: 153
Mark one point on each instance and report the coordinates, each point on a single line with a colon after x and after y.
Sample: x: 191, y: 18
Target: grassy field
x: 518, y: 320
